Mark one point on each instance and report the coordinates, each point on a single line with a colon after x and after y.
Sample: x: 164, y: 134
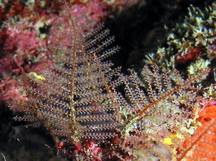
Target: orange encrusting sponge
x: 202, y: 145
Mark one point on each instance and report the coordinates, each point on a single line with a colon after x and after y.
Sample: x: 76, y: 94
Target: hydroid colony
x: 77, y: 101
